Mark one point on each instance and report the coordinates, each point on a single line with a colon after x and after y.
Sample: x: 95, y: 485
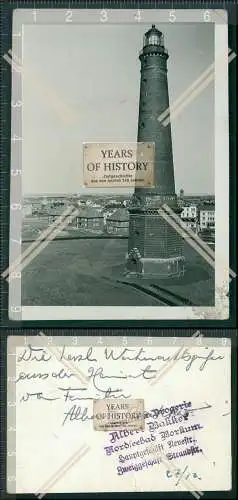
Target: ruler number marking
x: 103, y: 16
x: 68, y: 16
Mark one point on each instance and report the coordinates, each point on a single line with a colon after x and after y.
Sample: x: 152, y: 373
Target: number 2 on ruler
x: 68, y: 16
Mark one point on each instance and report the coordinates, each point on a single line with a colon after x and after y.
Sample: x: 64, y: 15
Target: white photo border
x: 221, y: 309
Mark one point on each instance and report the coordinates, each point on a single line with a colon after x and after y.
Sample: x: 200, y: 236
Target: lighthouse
x: 155, y: 248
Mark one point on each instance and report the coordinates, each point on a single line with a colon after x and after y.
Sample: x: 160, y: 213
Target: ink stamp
x: 110, y: 414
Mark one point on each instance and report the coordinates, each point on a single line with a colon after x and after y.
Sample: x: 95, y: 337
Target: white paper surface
x: 187, y: 407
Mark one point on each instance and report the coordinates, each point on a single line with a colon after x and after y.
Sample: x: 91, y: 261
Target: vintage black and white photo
x: 122, y: 250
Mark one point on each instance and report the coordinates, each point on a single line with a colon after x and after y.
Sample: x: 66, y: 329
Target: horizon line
x: 29, y: 195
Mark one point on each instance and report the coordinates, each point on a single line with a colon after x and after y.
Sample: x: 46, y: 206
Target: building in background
x: 189, y: 216
x: 118, y: 222
x: 87, y: 218
x: 36, y: 206
x: 90, y: 219
x: 189, y: 212
x: 207, y: 217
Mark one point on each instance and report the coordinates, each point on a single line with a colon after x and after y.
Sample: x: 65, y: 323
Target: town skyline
x: 101, y: 193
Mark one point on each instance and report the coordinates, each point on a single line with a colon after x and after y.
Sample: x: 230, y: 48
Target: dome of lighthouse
x: 153, y: 37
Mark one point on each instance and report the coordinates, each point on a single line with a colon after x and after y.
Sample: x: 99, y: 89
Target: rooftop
x: 120, y: 215
x: 207, y: 208
x: 87, y: 212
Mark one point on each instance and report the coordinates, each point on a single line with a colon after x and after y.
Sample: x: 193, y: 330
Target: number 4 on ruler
x: 137, y: 16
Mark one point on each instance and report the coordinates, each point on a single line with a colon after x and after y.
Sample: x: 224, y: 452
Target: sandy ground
x: 87, y: 272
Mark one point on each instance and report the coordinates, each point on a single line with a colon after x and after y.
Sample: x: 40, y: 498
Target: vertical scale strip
x: 16, y: 201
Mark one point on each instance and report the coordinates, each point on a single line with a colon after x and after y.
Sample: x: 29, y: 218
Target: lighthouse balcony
x: 154, y: 49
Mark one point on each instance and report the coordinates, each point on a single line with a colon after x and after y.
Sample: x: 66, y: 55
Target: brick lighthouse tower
x: 154, y: 247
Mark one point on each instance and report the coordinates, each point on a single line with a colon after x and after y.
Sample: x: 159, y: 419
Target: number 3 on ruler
x: 103, y: 16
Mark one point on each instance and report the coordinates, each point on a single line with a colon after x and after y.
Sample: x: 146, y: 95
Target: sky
x: 94, y: 70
